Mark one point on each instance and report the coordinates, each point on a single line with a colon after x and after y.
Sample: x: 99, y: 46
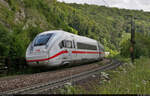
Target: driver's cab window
x: 62, y: 44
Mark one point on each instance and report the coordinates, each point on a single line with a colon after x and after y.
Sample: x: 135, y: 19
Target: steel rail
x: 38, y: 88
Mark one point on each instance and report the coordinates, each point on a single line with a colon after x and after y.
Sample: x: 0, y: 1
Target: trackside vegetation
x: 127, y: 79
x: 22, y: 20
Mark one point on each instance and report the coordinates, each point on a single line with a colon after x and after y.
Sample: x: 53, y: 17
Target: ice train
x: 57, y: 47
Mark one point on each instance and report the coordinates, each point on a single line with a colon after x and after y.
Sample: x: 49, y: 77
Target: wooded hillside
x: 22, y: 20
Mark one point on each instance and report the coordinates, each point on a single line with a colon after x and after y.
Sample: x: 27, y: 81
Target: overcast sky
x: 127, y: 4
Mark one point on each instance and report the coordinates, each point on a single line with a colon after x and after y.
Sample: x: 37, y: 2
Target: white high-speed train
x: 57, y: 47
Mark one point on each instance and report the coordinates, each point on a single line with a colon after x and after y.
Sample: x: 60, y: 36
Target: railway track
x: 38, y: 88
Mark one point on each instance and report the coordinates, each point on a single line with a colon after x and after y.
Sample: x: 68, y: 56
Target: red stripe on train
x: 62, y: 52
x: 87, y: 52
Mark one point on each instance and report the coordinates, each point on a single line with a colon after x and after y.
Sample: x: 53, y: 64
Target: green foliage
x: 141, y: 46
x: 4, y: 36
x: 107, y: 25
x: 70, y: 29
x: 32, y: 32
x: 68, y: 89
x: 13, y: 4
x: 125, y: 45
x: 127, y: 79
x: 113, y: 53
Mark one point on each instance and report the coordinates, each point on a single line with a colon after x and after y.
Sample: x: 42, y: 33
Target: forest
x: 22, y: 20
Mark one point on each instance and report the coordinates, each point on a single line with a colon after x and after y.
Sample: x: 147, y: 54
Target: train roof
x: 63, y: 32
x: 52, y: 31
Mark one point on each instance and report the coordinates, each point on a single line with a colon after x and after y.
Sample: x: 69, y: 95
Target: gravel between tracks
x: 14, y: 82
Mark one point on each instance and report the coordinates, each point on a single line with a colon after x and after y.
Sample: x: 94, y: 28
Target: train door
x: 73, y: 49
x: 99, y: 50
x: 69, y: 47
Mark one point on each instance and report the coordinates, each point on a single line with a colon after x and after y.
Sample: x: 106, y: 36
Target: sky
x: 127, y: 4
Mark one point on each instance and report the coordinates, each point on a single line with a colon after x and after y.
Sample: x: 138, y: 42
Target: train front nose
x: 38, y: 57
x: 37, y: 52
x: 38, y: 63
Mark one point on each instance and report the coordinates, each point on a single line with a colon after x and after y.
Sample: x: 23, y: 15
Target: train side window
x: 86, y: 46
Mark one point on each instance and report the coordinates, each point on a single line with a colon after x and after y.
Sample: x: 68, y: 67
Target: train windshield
x: 42, y: 39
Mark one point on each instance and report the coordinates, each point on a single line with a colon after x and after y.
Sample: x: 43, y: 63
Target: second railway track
x: 38, y: 88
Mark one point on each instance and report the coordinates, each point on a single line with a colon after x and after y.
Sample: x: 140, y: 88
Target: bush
x: 4, y: 38
x: 142, y: 47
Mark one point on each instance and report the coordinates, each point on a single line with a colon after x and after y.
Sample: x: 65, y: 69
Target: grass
x: 127, y: 79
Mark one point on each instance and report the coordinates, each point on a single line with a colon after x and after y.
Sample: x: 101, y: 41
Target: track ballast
x: 38, y: 88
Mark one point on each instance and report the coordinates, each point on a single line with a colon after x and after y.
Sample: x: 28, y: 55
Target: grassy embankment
x: 127, y: 79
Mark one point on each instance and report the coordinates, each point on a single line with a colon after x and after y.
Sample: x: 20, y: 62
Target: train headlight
x: 44, y: 50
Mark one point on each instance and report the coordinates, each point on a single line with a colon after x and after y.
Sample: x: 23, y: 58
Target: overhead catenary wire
x: 106, y: 3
